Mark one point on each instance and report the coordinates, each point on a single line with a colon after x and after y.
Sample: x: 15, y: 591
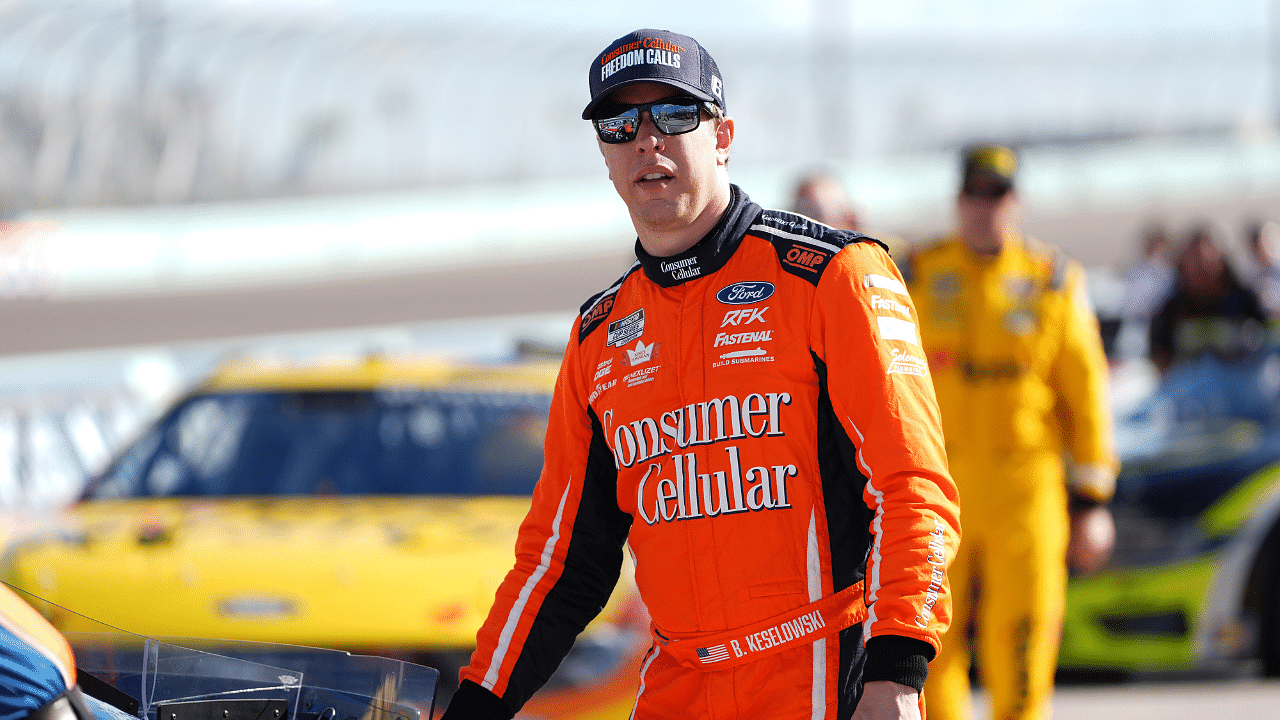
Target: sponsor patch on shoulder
x: 904, y: 363
x: 892, y: 328
x: 806, y: 257
x: 885, y: 282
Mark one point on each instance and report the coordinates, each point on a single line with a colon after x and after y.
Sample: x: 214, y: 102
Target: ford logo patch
x: 745, y: 293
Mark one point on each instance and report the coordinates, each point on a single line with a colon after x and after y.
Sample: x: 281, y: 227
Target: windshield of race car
x: 384, y: 442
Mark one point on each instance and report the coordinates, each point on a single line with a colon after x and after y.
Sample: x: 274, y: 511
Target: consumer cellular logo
x: 745, y: 293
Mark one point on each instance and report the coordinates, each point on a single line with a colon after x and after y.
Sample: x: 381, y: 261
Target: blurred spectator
x: 1017, y: 361
x: 1148, y: 280
x: 1210, y: 309
x: 1264, y: 247
x: 821, y: 196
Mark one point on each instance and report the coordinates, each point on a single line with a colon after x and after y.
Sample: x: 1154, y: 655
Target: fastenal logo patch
x: 884, y: 303
x: 741, y: 338
x: 622, y: 332
x: 745, y: 293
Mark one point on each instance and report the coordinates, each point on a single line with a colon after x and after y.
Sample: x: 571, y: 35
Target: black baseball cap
x: 655, y: 56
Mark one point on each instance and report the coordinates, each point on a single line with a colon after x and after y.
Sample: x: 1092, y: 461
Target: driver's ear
x: 724, y: 139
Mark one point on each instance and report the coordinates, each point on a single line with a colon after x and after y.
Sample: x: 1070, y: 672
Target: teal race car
x: 1194, y: 583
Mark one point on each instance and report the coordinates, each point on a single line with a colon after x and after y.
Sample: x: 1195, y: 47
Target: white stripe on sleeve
x: 509, y: 629
x: 885, y: 282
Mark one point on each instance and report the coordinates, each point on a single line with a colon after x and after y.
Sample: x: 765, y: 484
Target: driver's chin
x: 664, y: 213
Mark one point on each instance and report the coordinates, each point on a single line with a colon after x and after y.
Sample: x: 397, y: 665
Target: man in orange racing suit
x: 749, y: 410
x: 1021, y: 378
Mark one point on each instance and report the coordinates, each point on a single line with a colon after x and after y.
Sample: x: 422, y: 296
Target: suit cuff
x: 900, y: 659
x: 474, y: 702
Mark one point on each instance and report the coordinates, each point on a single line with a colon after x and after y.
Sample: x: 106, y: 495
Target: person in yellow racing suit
x: 1021, y: 379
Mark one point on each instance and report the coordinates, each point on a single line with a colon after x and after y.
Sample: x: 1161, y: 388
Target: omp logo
x: 601, y: 309
x: 744, y: 317
x: 745, y: 293
x: 805, y: 258
x: 641, y: 354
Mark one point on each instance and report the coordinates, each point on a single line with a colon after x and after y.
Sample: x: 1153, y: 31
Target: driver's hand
x: 887, y: 700
x: 1093, y: 537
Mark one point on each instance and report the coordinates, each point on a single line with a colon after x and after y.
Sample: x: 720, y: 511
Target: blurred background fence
x: 160, y: 101
x: 188, y: 180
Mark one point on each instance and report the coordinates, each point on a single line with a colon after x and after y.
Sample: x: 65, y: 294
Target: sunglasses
x: 672, y: 116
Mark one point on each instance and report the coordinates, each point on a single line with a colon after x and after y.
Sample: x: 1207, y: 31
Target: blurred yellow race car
x: 368, y: 506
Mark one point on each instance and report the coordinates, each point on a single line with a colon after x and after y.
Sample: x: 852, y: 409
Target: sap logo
x: 745, y: 293
x: 744, y: 317
x: 805, y: 258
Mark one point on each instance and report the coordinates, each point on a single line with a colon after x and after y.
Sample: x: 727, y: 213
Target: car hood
x: 337, y: 572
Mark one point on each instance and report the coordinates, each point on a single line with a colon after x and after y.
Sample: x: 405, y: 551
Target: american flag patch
x: 713, y: 654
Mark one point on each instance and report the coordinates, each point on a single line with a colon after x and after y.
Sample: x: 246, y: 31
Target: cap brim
x: 682, y: 86
x: 991, y: 173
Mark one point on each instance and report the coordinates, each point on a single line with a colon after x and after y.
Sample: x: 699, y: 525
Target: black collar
x: 711, y: 252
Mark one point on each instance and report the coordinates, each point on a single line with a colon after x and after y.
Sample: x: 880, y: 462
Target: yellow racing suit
x: 1021, y: 379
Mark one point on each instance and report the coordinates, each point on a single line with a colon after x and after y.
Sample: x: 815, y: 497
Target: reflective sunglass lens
x: 675, y: 119
x: 620, y: 124
x: 618, y: 127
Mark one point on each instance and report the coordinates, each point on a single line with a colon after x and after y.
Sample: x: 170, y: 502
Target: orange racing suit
x: 754, y: 418
x: 1021, y: 380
